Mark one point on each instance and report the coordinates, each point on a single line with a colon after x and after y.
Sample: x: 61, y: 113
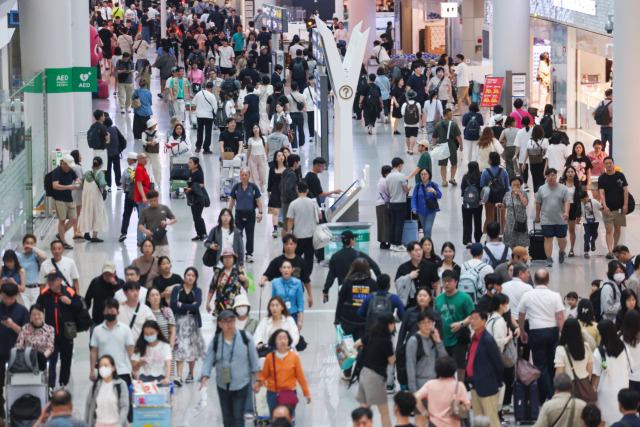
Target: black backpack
x: 411, y: 114
x: 401, y: 358
x: 216, y: 338
x: 406, y: 73
x: 229, y: 86
x: 472, y: 130
x: 122, y: 142
x: 83, y: 319
x: 373, y: 98
x: 23, y: 361
x: 380, y: 305
x: 48, y: 184
x: 93, y: 138
x: 597, y: 302
x: 25, y: 411
x: 497, y: 190
x: 547, y: 125
x: 297, y: 71
x: 494, y: 261
x: 602, y: 116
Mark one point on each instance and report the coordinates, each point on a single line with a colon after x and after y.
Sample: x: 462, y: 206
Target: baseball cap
x: 225, y: 314
x: 55, y: 274
x: 347, y: 235
x: 476, y: 249
x: 209, y: 85
x: 424, y: 142
x: 68, y: 159
x: 521, y: 251
x: 109, y: 267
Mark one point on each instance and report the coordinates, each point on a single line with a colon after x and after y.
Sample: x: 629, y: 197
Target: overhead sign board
x: 275, y: 18
x: 449, y: 10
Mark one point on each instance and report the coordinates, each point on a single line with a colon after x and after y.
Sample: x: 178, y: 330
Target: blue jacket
x: 631, y: 420
x: 290, y: 291
x: 495, y: 170
x: 396, y: 302
x: 487, y: 366
x: 418, y: 203
x: 185, y: 309
x: 146, y: 100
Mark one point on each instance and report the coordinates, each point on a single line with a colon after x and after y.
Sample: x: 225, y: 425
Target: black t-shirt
x: 102, y: 132
x: 63, y: 179
x: 188, y: 45
x: 263, y: 63
x: 373, y: 101
x: 254, y: 55
x: 376, y: 354
x: 426, y: 276
x: 105, y: 36
x: 582, y: 165
x: 231, y: 140
x: 196, y: 177
x: 315, y: 187
x: 264, y: 37
x: 252, y: 115
x: 300, y: 270
x: 387, y: 46
x: 162, y: 284
x: 613, y: 189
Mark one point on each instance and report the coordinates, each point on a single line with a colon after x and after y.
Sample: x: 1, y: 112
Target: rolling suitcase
x: 410, y: 231
x: 536, y: 244
x: 526, y: 403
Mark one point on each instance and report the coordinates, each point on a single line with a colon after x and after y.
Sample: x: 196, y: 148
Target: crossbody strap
x: 135, y: 314
x: 58, y: 270
x: 275, y: 377
x: 562, y: 413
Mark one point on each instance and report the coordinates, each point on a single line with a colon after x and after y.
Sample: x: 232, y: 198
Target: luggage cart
x: 229, y: 174
x: 191, y: 113
x: 260, y: 408
x: 152, y: 409
x: 20, y: 384
x: 179, y: 174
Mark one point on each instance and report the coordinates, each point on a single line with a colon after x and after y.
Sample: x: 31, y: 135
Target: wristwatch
x: 259, y: 212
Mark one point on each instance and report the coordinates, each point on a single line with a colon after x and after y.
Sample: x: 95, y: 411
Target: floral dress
x: 515, y: 211
x: 226, y: 287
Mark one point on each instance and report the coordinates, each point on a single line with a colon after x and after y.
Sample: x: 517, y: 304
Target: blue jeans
x: 606, y: 134
x: 543, y: 344
x: 232, y: 405
x: 140, y: 206
x: 145, y: 34
x: 397, y: 212
x: 271, y: 401
x: 427, y: 223
x: 590, y: 235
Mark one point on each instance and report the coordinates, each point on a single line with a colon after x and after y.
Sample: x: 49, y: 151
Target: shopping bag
x: 440, y: 152
x: 345, y: 349
x: 251, y: 288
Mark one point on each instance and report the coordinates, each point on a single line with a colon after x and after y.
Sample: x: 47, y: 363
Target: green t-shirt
x: 239, y: 42
x: 424, y: 162
x: 440, y: 131
x: 453, y: 309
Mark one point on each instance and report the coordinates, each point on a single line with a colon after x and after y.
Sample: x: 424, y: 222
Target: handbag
x: 321, y: 236
x: 104, y: 192
x: 509, y: 352
x: 526, y: 373
x: 582, y: 388
x: 70, y: 330
x: 441, y: 150
x: 457, y: 409
x: 302, y: 344
x: 283, y: 397
x: 432, y: 205
x: 143, y: 277
x: 519, y: 226
x: 210, y: 257
x: 135, y: 102
x: 159, y: 233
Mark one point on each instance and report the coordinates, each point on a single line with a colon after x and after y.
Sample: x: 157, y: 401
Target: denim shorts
x: 555, y: 230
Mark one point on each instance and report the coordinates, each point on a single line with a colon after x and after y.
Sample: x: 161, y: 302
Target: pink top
x: 518, y: 114
x: 439, y: 394
x: 196, y: 76
x: 597, y: 162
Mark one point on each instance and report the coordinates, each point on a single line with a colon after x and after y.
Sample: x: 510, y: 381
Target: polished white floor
x: 331, y: 402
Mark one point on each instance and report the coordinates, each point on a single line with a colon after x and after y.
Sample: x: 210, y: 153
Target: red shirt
x: 141, y: 176
x: 472, y: 353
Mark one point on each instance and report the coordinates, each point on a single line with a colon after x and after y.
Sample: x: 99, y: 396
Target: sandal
x: 571, y: 254
x: 67, y: 246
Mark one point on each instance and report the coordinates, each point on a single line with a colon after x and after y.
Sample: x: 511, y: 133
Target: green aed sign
x: 73, y: 79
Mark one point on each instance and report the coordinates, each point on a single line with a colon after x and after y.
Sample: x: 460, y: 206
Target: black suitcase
x: 536, y: 244
x: 526, y: 403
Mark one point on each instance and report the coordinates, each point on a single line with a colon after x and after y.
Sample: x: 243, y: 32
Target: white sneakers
x: 398, y: 248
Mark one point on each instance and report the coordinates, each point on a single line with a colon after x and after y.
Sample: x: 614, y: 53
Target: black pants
x: 370, y: 116
x: 297, y: 124
x: 310, y: 124
x: 305, y: 249
x: 397, y: 212
x: 387, y: 106
x: 467, y: 216
x: 206, y: 126
x: 537, y: 173
x: 356, y: 107
x: 508, y: 376
x: 198, y: 222
x: 590, y: 235
x: 113, y: 162
x: 129, y: 205
x: 302, y: 85
x: 64, y: 348
x: 246, y: 220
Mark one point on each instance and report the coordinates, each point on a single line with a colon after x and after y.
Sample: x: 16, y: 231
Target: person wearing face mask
x: 612, y: 289
x: 101, y: 289
x: 242, y: 306
x: 152, y: 355
x: 108, y: 400
x: 37, y: 334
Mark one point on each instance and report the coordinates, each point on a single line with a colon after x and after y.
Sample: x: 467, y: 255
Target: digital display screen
x: 353, y: 188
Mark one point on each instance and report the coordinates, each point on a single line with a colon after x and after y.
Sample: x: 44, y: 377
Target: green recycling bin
x: 360, y: 229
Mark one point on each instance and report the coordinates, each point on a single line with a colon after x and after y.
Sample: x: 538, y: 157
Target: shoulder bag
x: 283, y: 397
x: 145, y: 276
x: 103, y: 192
x: 582, y: 388
x: 135, y: 100
x: 432, y: 205
x: 519, y: 226
x: 457, y: 410
x: 509, y: 352
x: 526, y: 373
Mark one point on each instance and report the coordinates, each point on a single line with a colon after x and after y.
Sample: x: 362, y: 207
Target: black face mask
x: 110, y: 317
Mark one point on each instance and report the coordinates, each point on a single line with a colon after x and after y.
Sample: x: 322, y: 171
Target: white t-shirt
x: 140, y: 48
x: 293, y: 48
x: 156, y: 357
x: 309, y: 97
x: 404, y: 107
x: 515, y: 289
x: 557, y: 155
x: 522, y: 139
x: 230, y: 108
x: 593, y: 207
x: 142, y: 296
x: 107, y: 404
x: 380, y: 54
x: 533, y: 145
x: 540, y: 307
x: 206, y: 104
x: 153, y: 13
x: 144, y: 314
x: 461, y: 73
x: 257, y: 147
x: 66, y: 265
x: 226, y: 56
x: 430, y: 108
x: 634, y: 359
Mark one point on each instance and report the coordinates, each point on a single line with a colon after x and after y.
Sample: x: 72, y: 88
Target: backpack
x: 93, y: 138
x: 48, y: 184
x: 469, y: 281
x: 472, y: 130
x: 596, y: 301
x: 373, y: 98
x: 379, y: 305
x: 23, y: 361
x: 406, y: 73
x: 229, y: 86
x: 471, y: 197
x: 602, y: 116
x: 25, y: 411
x: 494, y: 261
x: 536, y: 154
x: 401, y: 358
x: 220, y: 120
x: 497, y: 190
x: 122, y: 142
x: 411, y: 114
x: 83, y: 318
x: 297, y: 71
x: 547, y: 124
x: 117, y: 387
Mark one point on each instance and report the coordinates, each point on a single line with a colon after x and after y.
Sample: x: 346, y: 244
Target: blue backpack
x: 472, y: 130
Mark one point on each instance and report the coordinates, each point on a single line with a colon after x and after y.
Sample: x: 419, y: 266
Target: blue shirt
x: 629, y: 266
x: 8, y: 337
x: 31, y: 265
x: 630, y: 420
x: 171, y: 51
x: 244, y: 199
x: 290, y: 291
x: 385, y: 86
x: 236, y: 356
x: 146, y: 100
x: 504, y: 176
x: 396, y: 303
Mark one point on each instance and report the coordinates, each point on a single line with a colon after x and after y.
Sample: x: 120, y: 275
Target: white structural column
x: 625, y: 135
x: 363, y: 11
x: 511, y: 38
x: 81, y: 51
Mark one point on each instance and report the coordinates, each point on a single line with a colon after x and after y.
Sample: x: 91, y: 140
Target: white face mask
x: 619, y: 277
x: 242, y: 310
x: 105, y: 371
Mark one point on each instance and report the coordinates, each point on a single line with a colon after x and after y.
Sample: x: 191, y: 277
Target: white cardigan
x: 262, y: 331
